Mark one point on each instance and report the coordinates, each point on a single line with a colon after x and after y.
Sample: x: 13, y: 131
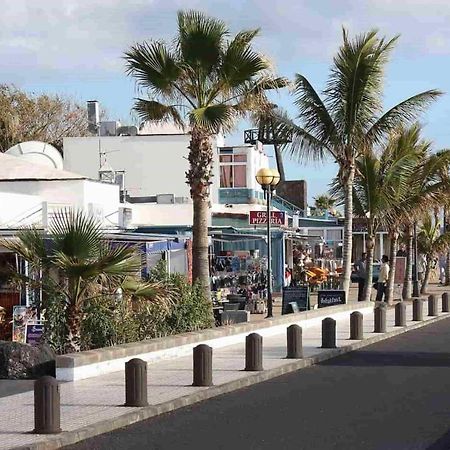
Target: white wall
x: 154, y: 214
x: 154, y: 164
x: 23, y: 195
x: 256, y: 159
x: 19, y: 209
x: 104, y: 196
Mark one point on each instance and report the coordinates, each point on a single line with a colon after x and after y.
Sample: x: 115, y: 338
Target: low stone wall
x: 77, y: 366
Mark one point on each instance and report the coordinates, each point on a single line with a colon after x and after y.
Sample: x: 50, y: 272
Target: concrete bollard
x: 445, y: 302
x: 432, y: 305
x: 253, y: 353
x: 294, y: 342
x: 136, y: 382
x: 400, y: 315
x: 328, y: 333
x: 380, y: 319
x: 47, y: 406
x: 356, y: 326
x: 417, y: 310
x: 202, y: 363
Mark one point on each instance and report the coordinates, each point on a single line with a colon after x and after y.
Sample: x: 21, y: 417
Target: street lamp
x: 268, y: 179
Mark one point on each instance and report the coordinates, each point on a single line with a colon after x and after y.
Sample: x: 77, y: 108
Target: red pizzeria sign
x: 260, y: 218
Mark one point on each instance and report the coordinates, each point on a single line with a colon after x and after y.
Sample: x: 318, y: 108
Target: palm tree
x: 204, y: 81
x: 406, y: 141
x: 349, y: 120
x: 427, y: 188
x: 380, y: 184
x: 431, y: 243
x: 75, y: 256
x: 324, y: 203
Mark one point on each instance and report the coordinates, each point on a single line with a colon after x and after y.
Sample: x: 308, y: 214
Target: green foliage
x: 205, y: 78
x: 108, y: 320
x: 192, y: 310
x: 430, y: 241
x: 53, y: 309
x: 79, y: 267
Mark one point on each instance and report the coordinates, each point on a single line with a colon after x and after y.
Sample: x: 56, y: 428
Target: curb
x: 140, y: 414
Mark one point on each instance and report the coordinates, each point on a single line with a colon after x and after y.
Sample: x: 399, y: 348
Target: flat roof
x: 15, y: 168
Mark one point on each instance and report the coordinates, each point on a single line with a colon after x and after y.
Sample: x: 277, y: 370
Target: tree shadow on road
x: 377, y: 359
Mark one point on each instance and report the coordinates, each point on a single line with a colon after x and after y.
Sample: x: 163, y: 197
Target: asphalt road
x: 391, y: 395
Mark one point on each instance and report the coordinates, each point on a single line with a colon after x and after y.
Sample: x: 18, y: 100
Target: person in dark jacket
x: 360, y: 269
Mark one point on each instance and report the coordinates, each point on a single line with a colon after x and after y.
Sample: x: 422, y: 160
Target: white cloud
x: 85, y: 39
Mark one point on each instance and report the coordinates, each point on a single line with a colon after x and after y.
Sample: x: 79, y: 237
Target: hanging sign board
x: 260, y: 218
x: 298, y: 295
x: 400, y: 270
x: 330, y: 298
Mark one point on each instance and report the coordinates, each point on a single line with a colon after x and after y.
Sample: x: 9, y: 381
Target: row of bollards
x: 47, y: 409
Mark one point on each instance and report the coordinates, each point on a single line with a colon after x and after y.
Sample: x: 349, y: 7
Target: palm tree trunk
x: 407, y: 285
x: 392, y: 262
x: 447, y: 268
x: 447, y: 255
x: 348, y: 228
x: 426, y: 278
x: 370, y: 249
x: 199, y: 178
x: 200, y: 257
x: 73, y: 321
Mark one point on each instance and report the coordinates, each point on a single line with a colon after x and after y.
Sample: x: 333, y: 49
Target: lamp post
x: 268, y: 179
x: 416, y: 269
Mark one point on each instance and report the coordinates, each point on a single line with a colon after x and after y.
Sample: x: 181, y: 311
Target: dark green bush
x: 107, y: 321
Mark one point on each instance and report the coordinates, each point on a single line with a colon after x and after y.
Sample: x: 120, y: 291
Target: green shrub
x: 107, y: 321
x: 53, y: 310
x: 192, y: 311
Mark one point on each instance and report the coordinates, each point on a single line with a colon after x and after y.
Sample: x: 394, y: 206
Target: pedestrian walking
x: 360, y: 269
x: 383, y: 279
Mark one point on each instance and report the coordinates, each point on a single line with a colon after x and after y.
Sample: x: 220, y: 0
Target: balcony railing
x: 265, y: 137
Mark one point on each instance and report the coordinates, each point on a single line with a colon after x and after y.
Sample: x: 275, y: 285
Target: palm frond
x: 240, y: 63
x: 354, y: 88
x: 154, y: 67
x: 156, y: 111
x: 200, y: 39
x: 29, y: 244
x: 401, y: 114
x: 316, y: 119
x: 75, y: 234
x: 213, y: 118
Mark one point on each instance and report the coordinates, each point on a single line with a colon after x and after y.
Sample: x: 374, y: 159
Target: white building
x: 31, y: 192
x: 152, y: 168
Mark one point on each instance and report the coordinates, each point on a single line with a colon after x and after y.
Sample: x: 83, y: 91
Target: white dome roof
x: 38, y: 152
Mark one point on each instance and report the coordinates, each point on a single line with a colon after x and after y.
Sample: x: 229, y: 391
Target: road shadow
x: 379, y: 359
x: 442, y: 443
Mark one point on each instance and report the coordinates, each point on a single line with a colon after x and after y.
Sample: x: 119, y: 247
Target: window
x: 233, y: 171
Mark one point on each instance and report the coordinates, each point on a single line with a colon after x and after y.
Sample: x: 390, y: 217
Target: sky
x: 75, y: 47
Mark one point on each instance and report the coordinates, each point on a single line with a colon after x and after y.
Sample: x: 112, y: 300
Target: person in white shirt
x: 383, y: 278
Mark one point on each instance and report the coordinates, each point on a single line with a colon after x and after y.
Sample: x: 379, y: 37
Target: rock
x: 21, y: 361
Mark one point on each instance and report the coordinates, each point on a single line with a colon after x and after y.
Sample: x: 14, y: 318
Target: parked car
x: 376, y: 273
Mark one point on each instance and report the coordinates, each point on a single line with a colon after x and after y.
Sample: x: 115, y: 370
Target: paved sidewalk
x: 87, y: 403
x: 393, y: 395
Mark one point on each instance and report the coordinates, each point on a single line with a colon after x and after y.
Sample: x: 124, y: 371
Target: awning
x: 235, y: 237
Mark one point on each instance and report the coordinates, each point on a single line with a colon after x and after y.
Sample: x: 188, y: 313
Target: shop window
x: 233, y: 171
